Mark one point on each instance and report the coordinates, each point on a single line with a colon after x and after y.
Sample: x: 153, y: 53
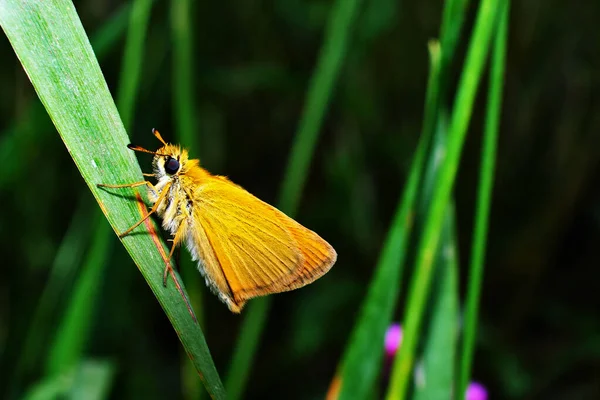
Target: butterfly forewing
x: 258, y: 248
x: 318, y: 255
x: 253, y: 249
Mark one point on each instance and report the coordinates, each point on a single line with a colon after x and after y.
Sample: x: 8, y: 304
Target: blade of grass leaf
x: 469, y: 81
x: 72, y: 333
x: 186, y: 134
x: 440, y: 346
x: 183, y: 77
x: 132, y: 60
x: 35, y: 122
x: 363, y: 356
x: 435, y: 375
x: 482, y: 210
x: 321, y: 87
x: 52, y: 46
x: 324, y: 78
x: 50, y: 388
x: 90, y: 380
x: 110, y: 33
x: 452, y: 23
x: 93, y: 380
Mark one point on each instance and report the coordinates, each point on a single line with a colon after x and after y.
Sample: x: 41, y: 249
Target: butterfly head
x: 169, y: 161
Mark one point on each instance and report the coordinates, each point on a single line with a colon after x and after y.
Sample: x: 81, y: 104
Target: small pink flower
x: 393, y: 338
x: 476, y: 391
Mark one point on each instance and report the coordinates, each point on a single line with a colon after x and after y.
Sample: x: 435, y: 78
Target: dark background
x: 539, y: 331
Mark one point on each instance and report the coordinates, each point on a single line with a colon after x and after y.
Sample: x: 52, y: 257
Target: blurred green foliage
x: 251, y: 67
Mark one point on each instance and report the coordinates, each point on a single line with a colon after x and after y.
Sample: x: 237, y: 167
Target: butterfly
x: 244, y: 247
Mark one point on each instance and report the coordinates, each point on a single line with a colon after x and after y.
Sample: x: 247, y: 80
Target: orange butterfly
x: 245, y: 248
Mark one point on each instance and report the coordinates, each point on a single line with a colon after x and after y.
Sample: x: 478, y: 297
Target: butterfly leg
x: 161, y: 197
x: 176, y: 240
x: 131, y: 185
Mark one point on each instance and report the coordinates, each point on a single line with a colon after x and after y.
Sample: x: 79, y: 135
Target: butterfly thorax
x: 178, y: 179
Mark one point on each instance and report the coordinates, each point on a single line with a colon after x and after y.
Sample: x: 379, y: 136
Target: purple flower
x: 476, y: 391
x: 393, y: 338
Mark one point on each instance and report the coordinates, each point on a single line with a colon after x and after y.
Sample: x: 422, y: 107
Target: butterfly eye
x: 171, y: 166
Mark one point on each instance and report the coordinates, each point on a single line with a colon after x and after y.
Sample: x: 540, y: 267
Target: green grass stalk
x: 484, y: 197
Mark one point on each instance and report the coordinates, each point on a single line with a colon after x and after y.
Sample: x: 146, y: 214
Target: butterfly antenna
x: 143, y: 150
x: 156, y: 133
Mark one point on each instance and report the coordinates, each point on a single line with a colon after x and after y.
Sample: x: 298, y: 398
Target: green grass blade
x: 93, y: 380
x: 14, y: 141
x: 110, y: 33
x: 435, y: 379
x: 363, y: 356
x: 482, y: 211
x: 246, y: 345
x: 184, y: 109
x: 184, y: 105
x: 324, y: 78
x: 50, y: 388
x: 452, y: 23
x: 72, y: 334
x: 90, y: 380
x: 328, y: 66
x: 132, y: 59
x: 471, y: 75
x: 52, y: 46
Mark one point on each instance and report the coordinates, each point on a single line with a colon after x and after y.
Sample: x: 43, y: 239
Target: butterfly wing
x: 250, y: 248
x: 318, y: 255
